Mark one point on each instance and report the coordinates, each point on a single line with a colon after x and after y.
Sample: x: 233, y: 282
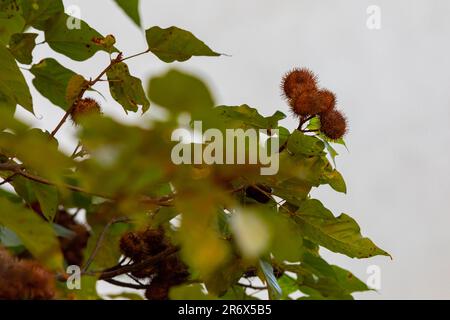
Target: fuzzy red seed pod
x: 305, y: 104
x: 327, y: 100
x: 24, y: 279
x: 333, y: 124
x: 298, y: 81
x: 83, y: 108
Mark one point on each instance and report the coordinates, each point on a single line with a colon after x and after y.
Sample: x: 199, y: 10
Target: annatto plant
x: 173, y: 231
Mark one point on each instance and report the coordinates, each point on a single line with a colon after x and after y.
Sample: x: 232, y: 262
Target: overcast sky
x: 392, y: 83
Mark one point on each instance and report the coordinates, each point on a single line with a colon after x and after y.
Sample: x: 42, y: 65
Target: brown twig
x: 83, y: 91
x: 100, y: 241
x: 136, y: 55
x: 117, y: 271
x: 17, y: 169
x: 250, y: 286
x: 8, y: 179
x: 126, y: 284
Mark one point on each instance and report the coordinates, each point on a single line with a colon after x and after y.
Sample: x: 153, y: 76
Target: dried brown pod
x: 333, y: 124
x: 298, y: 81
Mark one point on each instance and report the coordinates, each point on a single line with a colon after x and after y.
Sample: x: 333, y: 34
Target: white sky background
x: 391, y: 83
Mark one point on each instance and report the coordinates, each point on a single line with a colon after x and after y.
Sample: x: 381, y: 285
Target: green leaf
x: 180, y: 92
x: 22, y: 45
x: 88, y: 290
x: 324, y: 281
x: 37, y: 12
x: 131, y: 8
x: 126, y: 89
x: 287, y: 244
x: 300, y: 143
x: 125, y: 296
x: 13, y: 88
x: 174, y: 44
x: 288, y: 285
x: 52, y: 80
x: 48, y: 199
x: 11, y: 20
x: 341, y: 234
x: 189, y: 292
x: 108, y: 253
x: 335, y: 180
x: 275, y: 291
x: 36, y: 234
x: 220, y: 281
x: 246, y: 117
x: 314, y: 124
x: 64, y: 36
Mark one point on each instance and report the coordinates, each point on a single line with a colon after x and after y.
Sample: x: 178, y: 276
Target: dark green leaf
x: 76, y: 43
x: 13, y: 88
x: 52, y: 80
x: 11, y: 20
x: 174, y: 44
x: 126, y: 89
x: 21, y: 46
x: 131, y: 8
x: 37, y: 12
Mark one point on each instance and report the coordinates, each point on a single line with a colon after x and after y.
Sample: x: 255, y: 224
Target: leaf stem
x: 117, y: 60
x: 100, y: 241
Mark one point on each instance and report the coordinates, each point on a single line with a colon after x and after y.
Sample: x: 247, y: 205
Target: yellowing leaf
x: 75, y: 86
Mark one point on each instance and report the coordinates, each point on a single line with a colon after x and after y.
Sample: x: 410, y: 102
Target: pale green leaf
x: 339, y: 234
x: 36, y: 234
